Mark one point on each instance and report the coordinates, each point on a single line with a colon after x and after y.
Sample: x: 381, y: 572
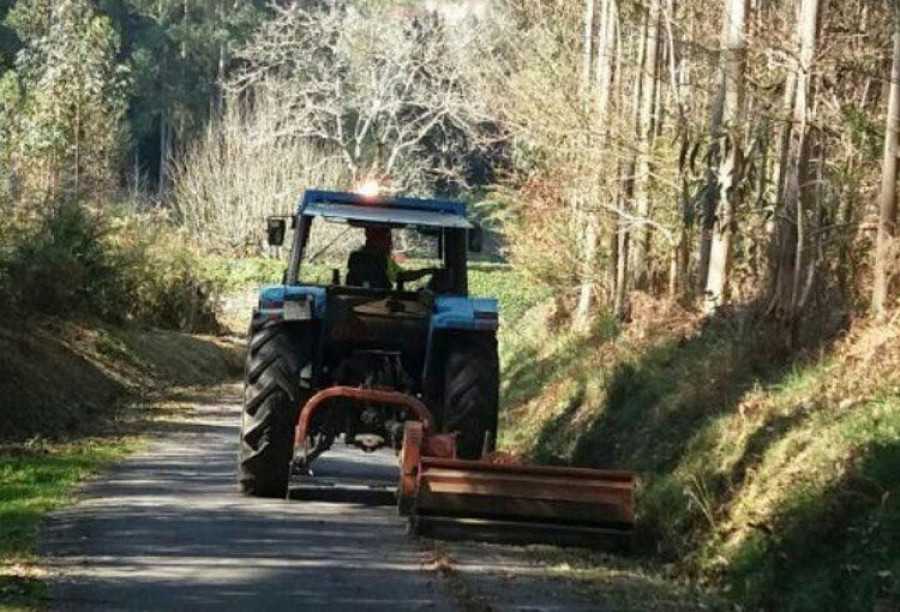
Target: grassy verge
x: 774, y: 476
x: 33, y: 482
x: 75, y: 397
x: 618, y: 583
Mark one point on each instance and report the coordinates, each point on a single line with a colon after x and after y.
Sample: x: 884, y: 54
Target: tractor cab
x: 433, y: 234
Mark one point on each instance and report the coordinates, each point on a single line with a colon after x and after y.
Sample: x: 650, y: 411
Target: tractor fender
x: 452, y: 316
x: 464, y: 314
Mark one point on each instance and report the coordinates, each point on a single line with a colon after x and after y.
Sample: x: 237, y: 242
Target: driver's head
x: 378, y: 239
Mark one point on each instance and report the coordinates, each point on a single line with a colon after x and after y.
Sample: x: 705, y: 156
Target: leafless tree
x: 390, y: 95
x: 245, y: 166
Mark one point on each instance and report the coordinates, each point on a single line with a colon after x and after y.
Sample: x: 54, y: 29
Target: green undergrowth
x: 235, y: 274
x: 774, y: 476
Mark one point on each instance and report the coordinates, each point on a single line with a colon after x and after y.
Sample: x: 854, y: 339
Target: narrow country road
x: 167, y: 530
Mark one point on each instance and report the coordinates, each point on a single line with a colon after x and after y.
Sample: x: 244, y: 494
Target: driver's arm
x: 413, y: 275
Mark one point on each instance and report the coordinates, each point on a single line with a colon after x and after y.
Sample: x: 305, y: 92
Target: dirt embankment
x: 62, y: 380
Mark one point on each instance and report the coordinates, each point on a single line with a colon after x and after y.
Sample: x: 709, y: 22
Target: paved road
x: 166, y: 530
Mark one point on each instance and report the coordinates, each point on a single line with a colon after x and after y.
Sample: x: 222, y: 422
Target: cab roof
x: 344, y: 206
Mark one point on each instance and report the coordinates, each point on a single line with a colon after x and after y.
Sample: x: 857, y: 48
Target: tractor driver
x: 373, y: 264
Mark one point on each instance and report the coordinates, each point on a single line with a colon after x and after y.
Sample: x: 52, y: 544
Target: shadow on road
x: 168, y: 530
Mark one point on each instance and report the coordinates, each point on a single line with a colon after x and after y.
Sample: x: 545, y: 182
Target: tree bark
x: 165, y: 143
x: 589, y: 236
x: 588, y: 268
x: 621, y: 294
x: 602, y: 63
x: 642, y: 207
x: 723, y: 175
x: 887, y: 229
x: 792, y: 235
x: 587, y: 51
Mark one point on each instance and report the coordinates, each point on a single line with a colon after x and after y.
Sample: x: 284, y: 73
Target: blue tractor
x: 413, y: 331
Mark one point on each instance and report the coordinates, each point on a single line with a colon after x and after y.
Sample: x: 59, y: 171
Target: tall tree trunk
x: 792, y: 235
x: 603, y: 63
x: 887, y: 229
x: 165, y: 144
x: 621, y: 295
x: 588, y: 269
x: 641, y: 242
x: 77, y: 146
x: 726, y: 139
x: 603, y: 72
x: 625, y: 195
x: 587, y: 50
x: 587, y: 218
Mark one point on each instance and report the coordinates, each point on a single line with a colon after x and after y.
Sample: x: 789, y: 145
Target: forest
x: 694, y: 203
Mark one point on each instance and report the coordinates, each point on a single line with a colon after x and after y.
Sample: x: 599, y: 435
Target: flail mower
x: 387, y: 357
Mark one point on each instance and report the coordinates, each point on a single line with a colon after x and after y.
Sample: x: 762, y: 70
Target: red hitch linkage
x: 380, y: 396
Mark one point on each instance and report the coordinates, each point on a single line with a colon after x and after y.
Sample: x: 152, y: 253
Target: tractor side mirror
x: 476, y: 238
x: 276, y: 227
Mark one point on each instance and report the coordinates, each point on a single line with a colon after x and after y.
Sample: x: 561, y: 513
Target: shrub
x: 120, y: 266
x: 162, y: 277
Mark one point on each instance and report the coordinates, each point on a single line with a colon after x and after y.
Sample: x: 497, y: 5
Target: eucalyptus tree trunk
x: 165, y: 155
x: 792, y: 222
x: 725, y: 168
x: 887, y: 229
x: 587, y: 50
x: 603, y: 64
x: 622, y: 243
x: 586, y: 218
x: 603, y: 71
x: 642, y: 206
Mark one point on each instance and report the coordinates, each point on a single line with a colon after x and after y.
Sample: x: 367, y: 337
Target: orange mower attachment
x: 497, y: 499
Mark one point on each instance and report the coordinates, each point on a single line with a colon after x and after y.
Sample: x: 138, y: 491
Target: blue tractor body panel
x: 307, y: 302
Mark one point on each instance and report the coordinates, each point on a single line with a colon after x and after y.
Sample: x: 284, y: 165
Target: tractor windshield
x: 377, y: 256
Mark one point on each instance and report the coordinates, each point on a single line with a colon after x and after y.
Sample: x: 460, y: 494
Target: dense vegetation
x: 697, y: 199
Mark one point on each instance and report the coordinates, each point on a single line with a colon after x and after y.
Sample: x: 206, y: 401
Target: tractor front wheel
x: 272, y: 400
x: 471, y: 393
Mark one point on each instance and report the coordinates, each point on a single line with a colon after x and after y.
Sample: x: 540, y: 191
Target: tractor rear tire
x: 471, y: 393
x: 273, y: 396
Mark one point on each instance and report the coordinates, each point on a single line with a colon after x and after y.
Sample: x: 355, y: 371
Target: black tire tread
x: 272, y: 397
x: 471, y: 392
